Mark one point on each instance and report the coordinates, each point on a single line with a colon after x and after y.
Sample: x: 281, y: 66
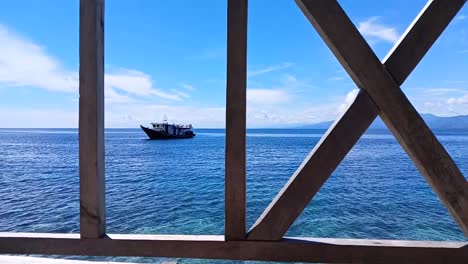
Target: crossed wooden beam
x: 380, y: 94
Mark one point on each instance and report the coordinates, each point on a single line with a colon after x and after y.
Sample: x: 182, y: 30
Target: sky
x: 168, y: 57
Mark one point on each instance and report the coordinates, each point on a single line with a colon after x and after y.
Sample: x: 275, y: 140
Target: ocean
x: 177, y: 186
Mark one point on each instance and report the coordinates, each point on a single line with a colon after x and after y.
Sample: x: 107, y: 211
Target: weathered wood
x: 91, y: 119
x: 420, y: 36
x: 235, y: 181
x: 315, y: 170
x: 214, y: 247
x: 368, y: 74
x: 346, y: 131
x: 429, y: 156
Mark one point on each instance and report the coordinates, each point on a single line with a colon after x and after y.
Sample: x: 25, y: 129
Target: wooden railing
x: 380, y: 95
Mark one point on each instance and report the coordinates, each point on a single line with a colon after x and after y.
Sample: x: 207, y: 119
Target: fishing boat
x: 165, y: 130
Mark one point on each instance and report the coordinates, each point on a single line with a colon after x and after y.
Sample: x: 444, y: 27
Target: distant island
x: 434, y: 122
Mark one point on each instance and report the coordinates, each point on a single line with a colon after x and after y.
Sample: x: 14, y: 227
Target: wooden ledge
x: 330, y: 250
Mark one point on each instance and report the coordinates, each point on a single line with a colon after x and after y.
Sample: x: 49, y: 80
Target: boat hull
x: 152, y: 134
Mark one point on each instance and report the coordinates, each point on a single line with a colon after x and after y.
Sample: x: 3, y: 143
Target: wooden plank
x: 429, y: 156
x: 346, y: 131
x: 213, y: 247
x: 235, y: 179
x: 91, y: 119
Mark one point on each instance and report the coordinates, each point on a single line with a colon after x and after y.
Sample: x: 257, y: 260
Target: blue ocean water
x: 177, y: 186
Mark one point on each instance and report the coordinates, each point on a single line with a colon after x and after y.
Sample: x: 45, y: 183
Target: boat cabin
x: 171, y: 129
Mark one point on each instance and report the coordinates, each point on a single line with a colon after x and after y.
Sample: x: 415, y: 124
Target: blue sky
x: 168, y: 58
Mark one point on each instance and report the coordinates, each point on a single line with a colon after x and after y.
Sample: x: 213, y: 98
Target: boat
x: 165, y: 130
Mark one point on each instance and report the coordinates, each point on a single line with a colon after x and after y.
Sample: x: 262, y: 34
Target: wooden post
x: 91, y: 119
x: 235, y: 186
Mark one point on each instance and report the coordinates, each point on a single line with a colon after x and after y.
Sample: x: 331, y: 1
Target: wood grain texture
x: 420, y: 36
x: 235, y: 179
x: 346, y: 131
x: 429, y: 156
x: 91, y: 119
x: 214, y: 247
x: 315, y: 170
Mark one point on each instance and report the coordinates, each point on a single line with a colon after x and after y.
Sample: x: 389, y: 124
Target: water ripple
x: 178, y: 186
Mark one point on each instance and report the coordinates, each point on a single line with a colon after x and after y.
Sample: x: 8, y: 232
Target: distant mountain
x: 434, y: 122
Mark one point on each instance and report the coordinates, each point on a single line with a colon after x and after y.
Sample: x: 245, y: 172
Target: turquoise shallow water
x: 176, y: 187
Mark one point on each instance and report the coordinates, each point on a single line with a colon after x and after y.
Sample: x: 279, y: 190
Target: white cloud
x: 188, y: 86
x: 23, y: 63
x: 135, y: 83
x: 336, y: 78
x: 258, y: 116
x: 292, y: 114
x: 269, y: 69
x: 374, y: 30
x: 180, y: 94
x: 26, y: 64
x: 442, y: 91
x: 290, y: 82
x: 349, y: 99
x: 117, y: 115
x: 112, y: 96
x: 170, y: 96
x: 461, y: 17
x: 37, y: 118
x: 130, y: 81
x: 267, y: 96
x: 441, y: 107
x: 459, y: 100
x: 443, y: 101
x: 132, y: 114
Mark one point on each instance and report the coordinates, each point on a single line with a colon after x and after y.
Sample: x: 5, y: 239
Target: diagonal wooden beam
x: 236, y: 94
x: 429, y: 156
x: 315, y: 170
x: 346, y: 131
x: 419, y: 37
